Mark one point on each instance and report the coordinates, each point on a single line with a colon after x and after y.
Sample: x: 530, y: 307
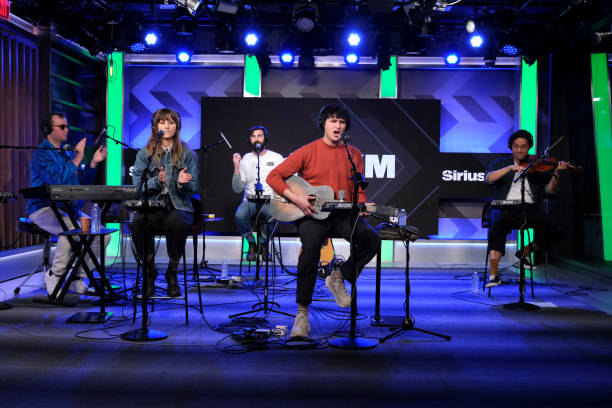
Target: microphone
x: 258, y: 147
x: 68, y: 148
x: 102, y: 133
x: 346, y: 138
x: 224, y: 138
x: 159, y: 133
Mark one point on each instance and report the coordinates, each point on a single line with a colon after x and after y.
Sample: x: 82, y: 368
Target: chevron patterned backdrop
x: 479, y: 107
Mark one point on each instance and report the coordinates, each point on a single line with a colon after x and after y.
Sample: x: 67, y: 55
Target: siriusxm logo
x: 379, y: 166
x: 458, y: 175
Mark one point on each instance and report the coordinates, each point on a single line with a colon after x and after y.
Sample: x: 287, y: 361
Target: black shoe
x: 493, y: 281
x: 251, y: 255
x: 173, y: 287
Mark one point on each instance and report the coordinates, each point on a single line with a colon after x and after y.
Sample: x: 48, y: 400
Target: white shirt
x: 515, y: 191
x: 248, y: 171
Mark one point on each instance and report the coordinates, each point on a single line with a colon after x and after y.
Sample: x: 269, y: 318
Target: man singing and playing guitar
x: 324, y: 162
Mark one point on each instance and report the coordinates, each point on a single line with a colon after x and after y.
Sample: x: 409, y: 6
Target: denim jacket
x: 180, y: 194
x: 56, y: 167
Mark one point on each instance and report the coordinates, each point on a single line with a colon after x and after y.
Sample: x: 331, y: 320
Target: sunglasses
x: 62, y: 126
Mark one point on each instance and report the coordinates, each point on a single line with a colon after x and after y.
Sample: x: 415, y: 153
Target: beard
x: 263, y: 146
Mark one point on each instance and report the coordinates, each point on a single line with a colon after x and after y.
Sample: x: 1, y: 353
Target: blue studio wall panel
x: 480, y: 107
x: 149, y: 88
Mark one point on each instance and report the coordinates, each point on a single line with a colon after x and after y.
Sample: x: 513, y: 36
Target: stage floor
x: 560, y: 355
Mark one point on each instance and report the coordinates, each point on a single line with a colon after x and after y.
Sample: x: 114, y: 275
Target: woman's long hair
x: 165, y: 114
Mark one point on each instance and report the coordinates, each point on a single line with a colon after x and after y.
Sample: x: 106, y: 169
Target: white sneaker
x: 78, y: 286
x: 51, y: 281
x: 301, y: 325
x: 337, y: 288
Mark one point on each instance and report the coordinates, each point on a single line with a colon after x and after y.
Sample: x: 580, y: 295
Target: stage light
x: 192, y: 6
x: 452, y: 58
x: 353, y: 39
x: 183, y: 56
x: 228, y: 6
x: 351, y: 58
x: 470, y: 26
x: 138, y: 47
x: 251, y: 39
x: 151, y: 38
x: 305, y: 16
x: 510, y: 49
x: 287, y: 58
x: 476, y: 40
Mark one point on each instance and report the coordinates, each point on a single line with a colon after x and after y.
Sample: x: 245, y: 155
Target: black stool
x: 25, y: 225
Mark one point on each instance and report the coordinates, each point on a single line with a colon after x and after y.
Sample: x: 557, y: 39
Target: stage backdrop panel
x: 480, y: 107
x: 398, y: 138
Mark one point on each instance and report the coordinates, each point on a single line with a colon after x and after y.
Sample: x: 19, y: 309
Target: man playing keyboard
x: 54, y: 165
x: 245, y: 180
x: 538, y: 186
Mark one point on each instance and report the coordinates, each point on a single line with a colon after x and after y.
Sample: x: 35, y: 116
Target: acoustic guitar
x: 323, y: 201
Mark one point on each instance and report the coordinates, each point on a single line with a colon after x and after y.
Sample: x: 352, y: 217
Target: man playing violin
x: 325, y: 162
x: 538, y: 186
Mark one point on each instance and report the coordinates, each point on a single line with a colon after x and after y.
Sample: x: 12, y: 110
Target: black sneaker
x: 493, y: 281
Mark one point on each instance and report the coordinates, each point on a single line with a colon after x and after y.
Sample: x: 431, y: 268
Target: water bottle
x: 224, y: 269
x: 401, y: 217
x: 95, y: 218
x: 475, y: 282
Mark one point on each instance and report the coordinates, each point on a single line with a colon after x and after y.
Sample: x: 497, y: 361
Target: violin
x: 546, y: 165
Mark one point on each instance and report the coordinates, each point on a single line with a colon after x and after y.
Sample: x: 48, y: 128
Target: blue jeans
x: 246, y: 210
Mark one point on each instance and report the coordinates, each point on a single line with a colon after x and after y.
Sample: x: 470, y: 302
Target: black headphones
x: 178, y: 124
x: 46, y: 126
x: 521, y: 133
x: 331, y: 110
x: 254, y: 128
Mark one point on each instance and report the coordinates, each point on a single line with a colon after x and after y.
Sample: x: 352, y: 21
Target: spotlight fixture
x: 470, y: 26
x: 353, y: 39
x: 183, y: 56
x: 151, y: 38
x: 351, y: 59
x: 476, y: 40
x: 228, y: 6
x: 251, y: 39
x: 451, y: 59
x: 138, y: 47
x: 192, y: 6
x: 287, y: 58
x: 510, y: 50
x: 305, y: 16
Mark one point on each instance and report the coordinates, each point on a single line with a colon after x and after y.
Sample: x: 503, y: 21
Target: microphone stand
x: 352, y: 342
x: 203, y: 262
x: 522, y: 176
x: 144, y: 334
x: 258, y: 193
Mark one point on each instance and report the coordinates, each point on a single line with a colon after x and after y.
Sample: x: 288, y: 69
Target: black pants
x: 505, y: 220
x: 313, y: 234
x: 173, y: 224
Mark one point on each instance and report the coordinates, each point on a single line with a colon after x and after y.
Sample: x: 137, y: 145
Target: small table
x: 82, y: 248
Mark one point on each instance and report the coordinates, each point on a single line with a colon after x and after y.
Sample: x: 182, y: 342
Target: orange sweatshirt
x: 320, y: 165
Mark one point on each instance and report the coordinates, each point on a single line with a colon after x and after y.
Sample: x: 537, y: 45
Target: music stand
x: 407, y: 234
